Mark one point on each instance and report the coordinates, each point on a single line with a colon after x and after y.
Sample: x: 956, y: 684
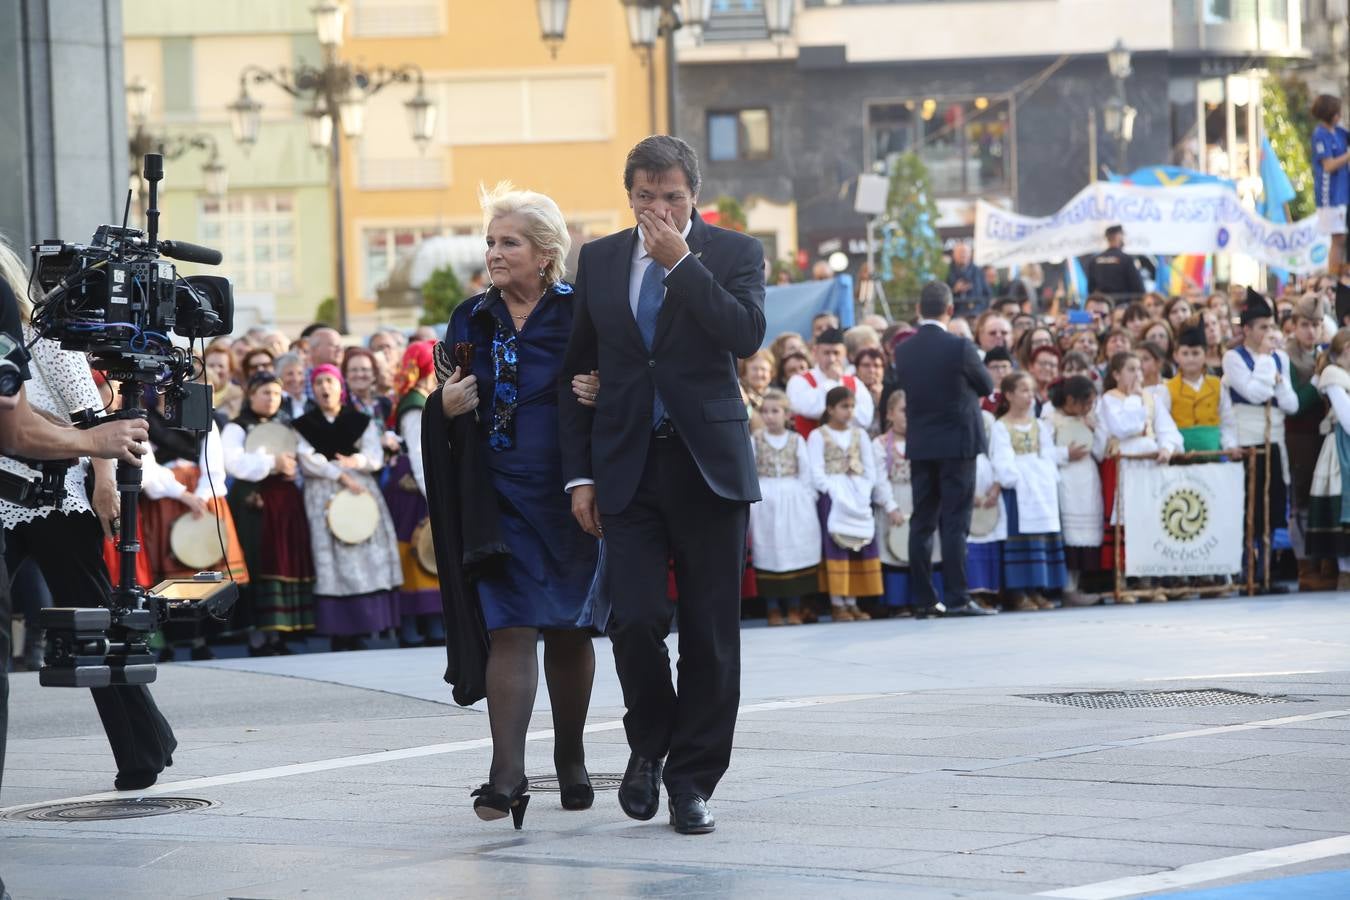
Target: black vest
x: 342, y: 435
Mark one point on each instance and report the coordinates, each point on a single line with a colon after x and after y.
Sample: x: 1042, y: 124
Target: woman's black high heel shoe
x: 577, y: 796
x: 491, y: 805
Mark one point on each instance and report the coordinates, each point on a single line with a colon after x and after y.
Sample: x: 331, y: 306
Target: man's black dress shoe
x: 689, y: 814
x: 969, y: 609
x: 640, y: 792
x: 936, y: 611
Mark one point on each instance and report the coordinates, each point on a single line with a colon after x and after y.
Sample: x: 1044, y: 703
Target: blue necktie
x: 650, y: 296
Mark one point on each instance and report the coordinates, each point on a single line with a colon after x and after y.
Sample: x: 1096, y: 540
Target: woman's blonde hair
x: 1333, y: 352
x: 545, y: 227
x: 15, y: 271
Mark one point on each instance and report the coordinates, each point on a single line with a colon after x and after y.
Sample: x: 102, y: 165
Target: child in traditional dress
x: 895, y: 506
x: 1328, y: 536
x: 1199, y: 406
x: 1132, y: 423
x: 784, y: 528
x: 994, y: 470
x: 1033, y: 555
x: 1080, y: 486
x: 844, y: 470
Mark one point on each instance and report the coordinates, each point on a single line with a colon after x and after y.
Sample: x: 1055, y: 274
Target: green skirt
x: 1201, y: 438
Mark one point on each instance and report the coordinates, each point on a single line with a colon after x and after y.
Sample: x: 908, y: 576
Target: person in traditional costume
x: 269, y: 514
x: 187, y: 476
x: 1257, y: 377
x: 895, y: 509
x: 784, y: 529
x: 1033, y: 555
x: 1131, y: 422
x: 807, y: 392
x: 1328, y: 533
x: 844, y: 470
x: 1304, y: 439
x: 1073, y: 421
x: 355, y: 591
x: 994, y: 471
x: 513, y: 562
x: 1196, y: 401
x: 419, y: 599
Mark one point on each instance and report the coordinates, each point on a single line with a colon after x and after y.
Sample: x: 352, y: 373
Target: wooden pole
x: 1265, y: 506
x: 1251, y: 522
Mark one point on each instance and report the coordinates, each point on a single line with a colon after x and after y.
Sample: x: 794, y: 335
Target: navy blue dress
x: 548, y: 583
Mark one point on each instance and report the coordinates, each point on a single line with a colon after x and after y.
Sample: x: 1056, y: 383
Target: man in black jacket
x: 943, y: 380
x: 1113, y: 271
x: 663, y: 468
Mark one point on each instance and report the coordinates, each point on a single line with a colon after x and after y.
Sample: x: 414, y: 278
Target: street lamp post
x: 1117, y: 115
x: 141, y: 141
x: 336, y: 93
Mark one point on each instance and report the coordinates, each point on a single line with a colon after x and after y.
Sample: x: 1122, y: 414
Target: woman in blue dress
x: 519, y: 330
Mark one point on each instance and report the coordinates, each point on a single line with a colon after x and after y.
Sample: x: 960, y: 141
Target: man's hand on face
x: 662, y: 239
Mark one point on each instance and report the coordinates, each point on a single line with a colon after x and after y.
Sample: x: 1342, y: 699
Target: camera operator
x: 24, y: 432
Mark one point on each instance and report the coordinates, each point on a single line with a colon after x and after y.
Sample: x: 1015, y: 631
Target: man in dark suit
x: 1113, y: 271
x: 662, y: 467
x: 943, y: 380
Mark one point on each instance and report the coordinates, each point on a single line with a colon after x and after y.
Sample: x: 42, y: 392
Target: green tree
x: 326, y: 312
x: 731, y: 214
x: 441, y: 293
x: 911, y: 251
x: 1289, y: 126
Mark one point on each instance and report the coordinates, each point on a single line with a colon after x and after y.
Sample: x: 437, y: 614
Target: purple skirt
x: 357, y: 614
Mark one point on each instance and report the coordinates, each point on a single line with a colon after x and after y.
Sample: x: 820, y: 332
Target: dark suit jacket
x: 943, y: 380
x: 713, y: 313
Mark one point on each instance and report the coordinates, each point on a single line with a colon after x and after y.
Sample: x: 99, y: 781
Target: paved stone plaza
x: 886, y: 759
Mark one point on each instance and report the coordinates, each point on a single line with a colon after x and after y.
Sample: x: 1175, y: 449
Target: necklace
x: 532, y: 306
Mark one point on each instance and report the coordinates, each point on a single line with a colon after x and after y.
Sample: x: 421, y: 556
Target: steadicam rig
x: 118, y: 300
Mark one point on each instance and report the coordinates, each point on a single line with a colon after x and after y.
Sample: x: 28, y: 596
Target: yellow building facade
x: 507, y: 109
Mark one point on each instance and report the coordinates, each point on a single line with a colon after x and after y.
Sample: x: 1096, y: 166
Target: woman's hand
x: 586, y: 388
x: 1077, y: 452
x: 348, y: 462
x: 196, y: 505
x: 389, y: 441
x: 284, y: 465
x: 991, y: 497
x: 106, y: 501
x: 460, y: 394
x: 351, y: 483
x: 897, y: 518
x: 1164, y: 455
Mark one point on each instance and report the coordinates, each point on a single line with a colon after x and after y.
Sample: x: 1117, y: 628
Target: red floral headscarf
x: 418, y: 363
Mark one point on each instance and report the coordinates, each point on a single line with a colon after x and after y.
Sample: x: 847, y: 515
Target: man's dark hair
x: 313, y: 327
x: 934, y: 300
x: 1114, y: 231
x: 658, y: 153
x: 1099, y: 298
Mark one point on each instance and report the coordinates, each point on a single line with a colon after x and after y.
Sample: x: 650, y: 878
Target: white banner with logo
x: 1184, y: 520
x: 1193, y: 218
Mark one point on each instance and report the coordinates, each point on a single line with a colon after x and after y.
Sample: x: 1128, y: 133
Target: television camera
x: 118, y: 300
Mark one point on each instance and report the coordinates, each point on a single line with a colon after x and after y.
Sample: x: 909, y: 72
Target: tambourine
x: 897, y: 540
x: 195, y: 541
x: 272, y: 437
x: 984, y: 519
x: 424, y: 547
x: 352, y: 517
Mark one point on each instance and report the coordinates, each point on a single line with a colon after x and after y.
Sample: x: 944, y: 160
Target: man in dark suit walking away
x: 943, y: 380
x: 662, y: 468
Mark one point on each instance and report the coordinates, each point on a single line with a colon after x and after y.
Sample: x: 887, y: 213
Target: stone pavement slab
x: 906, y: 764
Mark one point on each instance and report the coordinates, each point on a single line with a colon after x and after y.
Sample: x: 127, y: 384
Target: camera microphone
x: 196, y: 253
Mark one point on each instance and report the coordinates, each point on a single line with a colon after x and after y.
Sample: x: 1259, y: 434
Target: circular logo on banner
x: 1223, y: 237
x: 1318, y: 254
x: 1184, y: 515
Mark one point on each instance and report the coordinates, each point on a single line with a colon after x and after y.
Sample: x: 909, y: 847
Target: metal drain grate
x: 605, y: 781
x: 106, y: 810
x: 1160, y: 699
